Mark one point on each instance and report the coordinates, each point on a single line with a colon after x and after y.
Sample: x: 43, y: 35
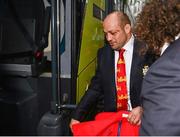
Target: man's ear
x: 127, y: 28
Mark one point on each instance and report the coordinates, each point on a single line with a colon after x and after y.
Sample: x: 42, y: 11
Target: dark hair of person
x: 158, y: 22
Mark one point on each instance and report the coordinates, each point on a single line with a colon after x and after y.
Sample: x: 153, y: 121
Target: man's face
x: 115, y: 35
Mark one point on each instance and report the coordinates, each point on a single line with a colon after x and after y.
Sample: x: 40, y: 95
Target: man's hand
x: 134, y: 116
x: 73, y: 121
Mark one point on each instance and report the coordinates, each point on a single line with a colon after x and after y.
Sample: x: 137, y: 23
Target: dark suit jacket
x: 103, y: 83
x: 161, y: 95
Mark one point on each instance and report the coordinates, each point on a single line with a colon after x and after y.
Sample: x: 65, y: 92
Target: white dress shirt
x: 164, y: 47
x: 128, y: 53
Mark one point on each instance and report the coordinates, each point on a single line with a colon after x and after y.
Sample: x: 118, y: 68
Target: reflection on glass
x: 131, y: 7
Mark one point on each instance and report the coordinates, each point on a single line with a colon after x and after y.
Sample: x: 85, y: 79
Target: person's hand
x: 134, y: 116
x: 73, y: 121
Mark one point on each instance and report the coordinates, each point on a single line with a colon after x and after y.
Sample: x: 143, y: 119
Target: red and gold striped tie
x: 122, y: 97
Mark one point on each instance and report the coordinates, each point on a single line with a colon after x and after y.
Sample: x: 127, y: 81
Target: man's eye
x: 114, y: 33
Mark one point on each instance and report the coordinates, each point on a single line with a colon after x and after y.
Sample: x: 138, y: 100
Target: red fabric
x: 106, y: 124
x: 122, y: 97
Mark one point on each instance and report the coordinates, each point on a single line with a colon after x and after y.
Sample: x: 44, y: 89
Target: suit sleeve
x: 92, y: 94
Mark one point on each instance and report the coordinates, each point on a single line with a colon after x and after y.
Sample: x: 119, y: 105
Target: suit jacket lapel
x: 112, y: 78
x: 134, y: 65
x: 112, y: 71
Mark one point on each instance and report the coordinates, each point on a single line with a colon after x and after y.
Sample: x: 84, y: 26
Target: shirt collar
x: 129, y: 45
x: 177, y: 36
x: 166, y: 44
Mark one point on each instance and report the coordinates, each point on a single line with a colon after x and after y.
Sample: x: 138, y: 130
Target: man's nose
x: 109, y: 37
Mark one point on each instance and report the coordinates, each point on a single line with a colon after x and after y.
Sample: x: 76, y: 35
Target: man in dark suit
x: 161, y: 86
x: 117, y: 29
x: 161, y: 95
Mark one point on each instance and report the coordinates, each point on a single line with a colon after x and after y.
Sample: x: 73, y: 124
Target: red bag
x: 106, y: 124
